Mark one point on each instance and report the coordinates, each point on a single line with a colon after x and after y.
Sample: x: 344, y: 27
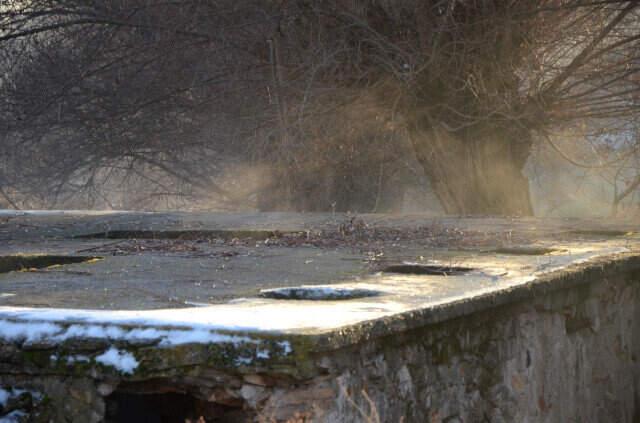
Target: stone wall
x: 567, y: 356
x: 550, y: 355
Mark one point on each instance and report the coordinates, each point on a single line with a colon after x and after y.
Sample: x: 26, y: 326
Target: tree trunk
x: 480, y: 175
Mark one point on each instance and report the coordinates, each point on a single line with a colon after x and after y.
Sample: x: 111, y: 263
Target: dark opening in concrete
x: 258, y: 235
x: 600, y: 233
x: 23, y: 262
x: 525, y: 251
x: 168, y: 407
x: 426, y: 269
x: 321, y: 293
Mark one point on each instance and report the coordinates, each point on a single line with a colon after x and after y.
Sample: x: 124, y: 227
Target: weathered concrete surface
x: 567, y: 355
x: 157, y: 274
x: 529, y: 334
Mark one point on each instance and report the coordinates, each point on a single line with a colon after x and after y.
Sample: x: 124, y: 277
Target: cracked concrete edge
x: 573, y: 275
x: 299, y: 361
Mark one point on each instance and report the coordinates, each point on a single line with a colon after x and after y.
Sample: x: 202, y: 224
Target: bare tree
x: 475, y: 81
x: 304, y: 86
x: 129, y: 85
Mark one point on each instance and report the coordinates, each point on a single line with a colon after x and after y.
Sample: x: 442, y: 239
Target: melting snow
x: 192, y: 324
x: 56, y: 333
x: 123, y: 361
x: 28, y: 331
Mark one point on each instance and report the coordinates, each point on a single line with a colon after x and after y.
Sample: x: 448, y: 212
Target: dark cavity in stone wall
x: 167, y: 407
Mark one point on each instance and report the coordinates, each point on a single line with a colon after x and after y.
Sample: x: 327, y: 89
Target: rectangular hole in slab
x: 525, y: 251
x: 23, y: 262
x: 427, y: 269
x: 321, y: 293
x: 258, y: 235
x: 600, y: 233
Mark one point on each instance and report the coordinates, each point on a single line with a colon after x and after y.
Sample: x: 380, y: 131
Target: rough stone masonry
x: 129, y: 317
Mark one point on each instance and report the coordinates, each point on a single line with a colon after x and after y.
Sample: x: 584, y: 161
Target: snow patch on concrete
x: 27, y: 331
x: 35, y: 331
x: 255, y: 315
x: 123, y: 361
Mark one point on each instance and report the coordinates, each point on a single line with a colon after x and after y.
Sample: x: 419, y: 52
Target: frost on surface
x: 123, y: 361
